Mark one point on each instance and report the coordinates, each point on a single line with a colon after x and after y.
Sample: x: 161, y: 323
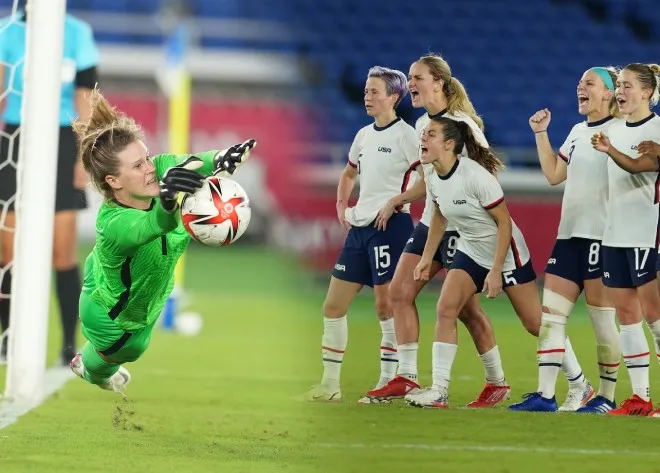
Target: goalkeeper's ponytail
x: 101, y: 138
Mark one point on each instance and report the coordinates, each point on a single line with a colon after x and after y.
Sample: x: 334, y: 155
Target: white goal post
x: 35, y: 201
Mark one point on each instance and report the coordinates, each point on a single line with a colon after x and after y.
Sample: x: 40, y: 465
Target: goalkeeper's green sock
x: 97, y: 371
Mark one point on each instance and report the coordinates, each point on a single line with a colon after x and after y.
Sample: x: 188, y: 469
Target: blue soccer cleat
x: 597, y: 405
x: 534, y: 402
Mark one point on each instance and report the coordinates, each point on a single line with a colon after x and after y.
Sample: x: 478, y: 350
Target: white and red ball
x: 218, y: 213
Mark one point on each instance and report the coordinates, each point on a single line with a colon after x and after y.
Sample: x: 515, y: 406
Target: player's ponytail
x: 461, y: 133
x: 648, y: 77
x: 614, y: 105
x: 459, y: 101
x: 655, y: 70
x: 105, y: 134
x: 457, y: 97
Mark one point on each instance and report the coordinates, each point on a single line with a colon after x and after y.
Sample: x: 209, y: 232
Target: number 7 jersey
x: 632, y: 207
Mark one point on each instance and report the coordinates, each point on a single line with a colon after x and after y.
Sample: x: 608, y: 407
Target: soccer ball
x: 218, y: 213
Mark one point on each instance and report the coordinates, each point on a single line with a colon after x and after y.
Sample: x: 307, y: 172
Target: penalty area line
x: 490, y: 448
x: 54, y: 379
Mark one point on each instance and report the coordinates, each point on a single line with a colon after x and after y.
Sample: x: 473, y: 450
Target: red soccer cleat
x: 635, y: 406
x: 491, y: 395
x: 397, y: 388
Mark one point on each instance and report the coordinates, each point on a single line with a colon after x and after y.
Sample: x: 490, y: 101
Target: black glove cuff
x: 168, y: 205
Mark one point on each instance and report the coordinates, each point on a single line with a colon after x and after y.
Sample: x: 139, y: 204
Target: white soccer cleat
x: 116, y: 383
x: 434, y: 397
x: 322, y: 393
x: 577, y: 397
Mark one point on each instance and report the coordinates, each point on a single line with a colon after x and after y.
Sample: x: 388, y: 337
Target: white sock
x: 493, y: 367
x: 443, y: 358
x: 655, y: 330
x: 388, y: 353
x: 635, y: 350
x: 608, y: 348
x: 408, y: 360
x: 571, y: 367
x: 550, y: 352
x: 335, y: 337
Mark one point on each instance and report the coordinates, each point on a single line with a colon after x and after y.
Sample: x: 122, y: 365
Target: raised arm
x: 214, y: 162
x: 554, y: 166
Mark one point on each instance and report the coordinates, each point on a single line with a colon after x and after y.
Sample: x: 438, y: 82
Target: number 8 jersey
x: 583, y: 208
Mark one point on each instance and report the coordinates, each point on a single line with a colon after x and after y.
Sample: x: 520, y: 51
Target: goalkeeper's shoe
x: 635, y: 406
x: 577, y: 397
x: 534, y: 402
x: 434, y: 397
x: 490, y: 396
x: 322, y: 393
x: 597, y: 405
x: 117, y: 381
x: 396, y: 388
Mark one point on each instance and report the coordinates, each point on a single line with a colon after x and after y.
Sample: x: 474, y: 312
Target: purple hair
x: 395, y: 81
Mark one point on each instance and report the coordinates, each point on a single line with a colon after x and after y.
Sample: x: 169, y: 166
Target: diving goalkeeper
x: 139, y: 237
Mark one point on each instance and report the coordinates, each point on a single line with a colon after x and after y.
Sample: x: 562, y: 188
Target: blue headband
x: 605, y: 76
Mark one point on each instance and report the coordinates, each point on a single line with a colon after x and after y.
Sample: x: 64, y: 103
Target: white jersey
x: 632, y: 208
x: 419, y: 128
x: 386, y: 158
x: 583, y: 208
x: 464, y: 197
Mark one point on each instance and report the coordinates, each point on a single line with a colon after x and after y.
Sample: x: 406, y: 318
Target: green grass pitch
x: 222, y: 401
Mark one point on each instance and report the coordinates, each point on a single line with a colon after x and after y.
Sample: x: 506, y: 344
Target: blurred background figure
x: 79, y: 76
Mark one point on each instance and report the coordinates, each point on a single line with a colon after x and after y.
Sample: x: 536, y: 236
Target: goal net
x: 40, y: 72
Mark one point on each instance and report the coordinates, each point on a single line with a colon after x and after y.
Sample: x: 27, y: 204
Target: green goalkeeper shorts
x: 109, y: 339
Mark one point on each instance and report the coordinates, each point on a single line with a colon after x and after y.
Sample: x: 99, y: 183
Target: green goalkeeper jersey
x: 130, y: 271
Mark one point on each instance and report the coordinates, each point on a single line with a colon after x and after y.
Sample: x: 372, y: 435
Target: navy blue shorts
x: 478, y: 273
x: 446, y: 250
x: 627, y: 268
x: 576, y: 259
x: 369, y: 256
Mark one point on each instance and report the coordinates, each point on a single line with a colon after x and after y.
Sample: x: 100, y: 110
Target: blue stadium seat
x: 512, y: 60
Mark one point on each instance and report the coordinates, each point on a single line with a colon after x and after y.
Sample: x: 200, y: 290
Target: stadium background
x: 290, y: 73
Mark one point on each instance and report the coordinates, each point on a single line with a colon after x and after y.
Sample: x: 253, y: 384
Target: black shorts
x: 478, y: 273
x: 67, y: 197
x: 446, y: 251
x: 369, y: 256
x: 628, y: 267
x: 576, y: 259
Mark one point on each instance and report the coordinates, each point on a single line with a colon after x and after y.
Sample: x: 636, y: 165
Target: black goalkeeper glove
x: 226, y: 161
x: 180, y: 178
